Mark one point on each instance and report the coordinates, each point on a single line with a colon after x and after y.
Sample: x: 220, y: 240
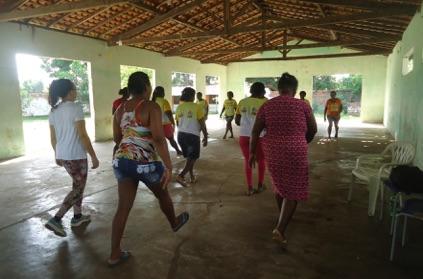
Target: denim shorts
x: 190, y: 145
x: 148, y: 173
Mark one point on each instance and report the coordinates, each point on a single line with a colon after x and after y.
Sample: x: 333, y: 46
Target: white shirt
x: 63, y: 118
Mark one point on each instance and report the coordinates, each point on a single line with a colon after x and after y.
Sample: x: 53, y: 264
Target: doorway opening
x: 35, y: 74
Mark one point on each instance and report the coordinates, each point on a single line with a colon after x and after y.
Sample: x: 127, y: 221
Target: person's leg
x: 244, y: 143
x: 230, y: 128
x: 330, y: 126
x: 127, y: 189
x: 227, y: 128
x: 336, y: 127
x: 77, y: 169
x: 287, y: 211
x: 82, y: 177
x: 279, y: 201
x: 191, y: 171
x: 261, y: 165
x: 166, y: 203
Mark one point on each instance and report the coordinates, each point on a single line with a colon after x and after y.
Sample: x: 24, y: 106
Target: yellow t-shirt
x: 165, y: 107
x: 248, y: 109
x: 188, y: 115
x: 203, y: 103
x: 230, y: 107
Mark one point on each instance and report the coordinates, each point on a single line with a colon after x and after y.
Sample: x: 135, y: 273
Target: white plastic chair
x: 413, y: 208
x: 379, y: 167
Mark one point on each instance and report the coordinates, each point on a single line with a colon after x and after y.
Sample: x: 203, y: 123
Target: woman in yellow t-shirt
x: 229, y: 108
x: 167, y: 117
x: 204, y: 104
x: 190, y: 121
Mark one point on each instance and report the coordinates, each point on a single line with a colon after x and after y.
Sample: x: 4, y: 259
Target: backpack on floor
x: 407, y: 179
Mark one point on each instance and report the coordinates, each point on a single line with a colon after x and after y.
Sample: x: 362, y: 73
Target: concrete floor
x: 229, y: 234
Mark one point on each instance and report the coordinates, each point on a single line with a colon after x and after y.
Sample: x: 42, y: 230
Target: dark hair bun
x: 138, y: 82
x: 287, y: 82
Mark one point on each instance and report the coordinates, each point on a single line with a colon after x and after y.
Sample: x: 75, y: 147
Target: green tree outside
x: 126, y: 71
x: 76, y: 71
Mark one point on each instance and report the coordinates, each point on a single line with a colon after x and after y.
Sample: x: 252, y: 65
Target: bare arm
x: 204, y: 130
x: 311, y: 128
x: 238, y: 119
x: 169, y: 114
x: 86, y: 142
x: 159, y: 139
x: 53, y: 139
x: 223, y: 110
x: 255, y: 135
x: 207, y: 110
x: 326, y: 110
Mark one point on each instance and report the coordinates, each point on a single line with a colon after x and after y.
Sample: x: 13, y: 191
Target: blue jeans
x: 148, y: 173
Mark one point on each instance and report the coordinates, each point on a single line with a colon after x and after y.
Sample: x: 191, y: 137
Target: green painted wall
x: 372, y: 69
x: 404, y: 93
x: 105, y: 74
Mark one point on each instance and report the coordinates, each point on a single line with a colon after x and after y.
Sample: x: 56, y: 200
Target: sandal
x: 250, y: 192
x: 277, y: 236
x: 182, y: 181
x: 124, y: 256
x: 183, y: 219
x: 194, y: 179
x: 261, y: 189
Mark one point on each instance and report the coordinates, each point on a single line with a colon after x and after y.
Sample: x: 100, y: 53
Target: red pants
x: 244, y: 142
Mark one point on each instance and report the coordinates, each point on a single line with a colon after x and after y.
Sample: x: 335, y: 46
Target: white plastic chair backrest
x: 402, y: 153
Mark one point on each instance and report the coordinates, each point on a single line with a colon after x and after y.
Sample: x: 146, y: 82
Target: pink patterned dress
x: 285, y: 145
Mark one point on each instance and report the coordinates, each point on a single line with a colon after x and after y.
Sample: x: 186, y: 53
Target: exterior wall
x: 372, y: 69
x: 105, y: 73
x: 404, y: 93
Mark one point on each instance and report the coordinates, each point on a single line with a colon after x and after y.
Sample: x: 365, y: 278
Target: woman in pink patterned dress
x: 289, y: 125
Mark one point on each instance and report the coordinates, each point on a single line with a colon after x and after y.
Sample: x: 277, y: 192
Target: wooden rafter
x: 157, y: 20
x: 322, y: 56
x: 287, y: 47
x: 57, y: 9
x: 87, y: 18
x: 323, y: 14
x: 360, y: 4
x: 11, y: 5
x: 105, y: 21
x: 227, y: 15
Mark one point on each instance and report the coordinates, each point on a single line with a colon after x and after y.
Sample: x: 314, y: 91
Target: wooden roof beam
x: 322, y: 56
x: 157, y: 20
x: 11, y: 5
x: 288, y: 24
x: 361, y: 4
x: 57, y: 9
x: 323, y: 13
x: 105, y: 22
x: 286, y: 47
x: 87, y: 18
x: 227, y: 15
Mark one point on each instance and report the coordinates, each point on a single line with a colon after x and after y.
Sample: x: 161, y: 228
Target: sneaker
x: 56, y: 227
x: 82, y: 220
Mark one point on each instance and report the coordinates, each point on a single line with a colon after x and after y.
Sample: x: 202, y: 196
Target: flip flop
x: 250, y: 192
x: 181, y: 181
x: 261, y: 189
x: 277, y: 236
x: 124, y: 256
x: 184, y: 217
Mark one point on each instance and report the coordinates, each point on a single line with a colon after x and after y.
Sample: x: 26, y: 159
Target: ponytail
x: 59, y: 89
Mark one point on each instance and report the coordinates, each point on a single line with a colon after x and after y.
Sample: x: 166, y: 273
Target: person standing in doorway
x: 333, y: 110
x: 289, y: 125
x: 229, y: 108
x: 125, y: 96
x: 138, y: 130
x: 167, y: 117
x: 204, y: 104
x: 303, y: 94
x: 190, y: 121
x: 71, y: 144
x: 245, y: 117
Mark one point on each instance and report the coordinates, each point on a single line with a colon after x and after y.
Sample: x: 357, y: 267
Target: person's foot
x: 224, y: 137
x: 76, y: 222
x: 250, y: 192
x: 56, y: 227
x: 279, y: 238
x: 193, y: 179
x: 231, y: 137
x: 181, y: 180
x: 182, y: 220
x: 124, y: 255
x: 336, y: 136
x: 261, y: 188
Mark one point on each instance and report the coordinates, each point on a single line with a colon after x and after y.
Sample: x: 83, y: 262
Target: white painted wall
x: 105, y: 73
